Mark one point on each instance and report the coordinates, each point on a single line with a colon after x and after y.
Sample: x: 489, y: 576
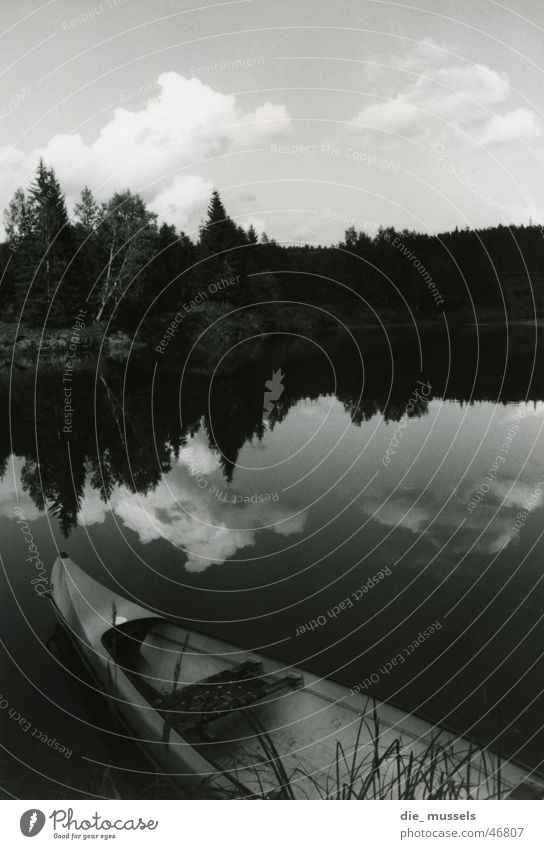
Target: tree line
x: 116, y: 259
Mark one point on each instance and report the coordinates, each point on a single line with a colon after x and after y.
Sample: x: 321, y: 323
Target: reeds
x: 171, y: 714
x: 435, y: 769
x: 371, y: 770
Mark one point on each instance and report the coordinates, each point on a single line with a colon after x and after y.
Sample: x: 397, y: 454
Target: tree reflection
x: 130, y: 424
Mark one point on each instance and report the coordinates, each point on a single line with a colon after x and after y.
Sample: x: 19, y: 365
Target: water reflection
x: 210, y: 524
x: 178, y: 493
x: 195, y: 464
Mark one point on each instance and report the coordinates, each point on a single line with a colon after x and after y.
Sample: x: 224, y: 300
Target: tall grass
x: 171, y: 714
x: 112, y: 677
x: 372, y: 769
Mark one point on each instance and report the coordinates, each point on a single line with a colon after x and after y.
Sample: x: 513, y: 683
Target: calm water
x: 174, y: 489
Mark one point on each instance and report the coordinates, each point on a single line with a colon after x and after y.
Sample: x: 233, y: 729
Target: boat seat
x: 240, y: 686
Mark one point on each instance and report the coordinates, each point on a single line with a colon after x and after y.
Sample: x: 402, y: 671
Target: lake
x: 386, y: 486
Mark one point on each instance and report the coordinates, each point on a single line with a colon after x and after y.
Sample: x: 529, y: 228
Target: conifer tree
x: 90, y: 256
x: 40, y: 236
x: 49, y: 237
x: 47, y: 244
x: 220, y: 239
x: 219, y: 232
x: 252, y: 235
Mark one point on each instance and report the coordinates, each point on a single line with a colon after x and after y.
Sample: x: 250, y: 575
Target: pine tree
x: 16, y: 225
x: 221, y: 246
x: 47, y: 240
x: 90, y: 255
x: 219, y: 232
x: 252, y: 235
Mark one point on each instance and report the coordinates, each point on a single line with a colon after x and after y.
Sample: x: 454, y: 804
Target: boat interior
x: 260, y: 726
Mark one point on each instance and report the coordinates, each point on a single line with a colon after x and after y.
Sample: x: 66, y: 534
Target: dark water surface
x: 174, y: 489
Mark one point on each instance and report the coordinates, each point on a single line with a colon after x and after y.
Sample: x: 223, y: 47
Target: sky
x: 308, y: 117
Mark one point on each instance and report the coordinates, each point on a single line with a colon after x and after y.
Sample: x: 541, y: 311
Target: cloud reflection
x: 182, y: 511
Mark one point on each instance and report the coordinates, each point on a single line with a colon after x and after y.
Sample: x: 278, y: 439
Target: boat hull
x: 306, y: 725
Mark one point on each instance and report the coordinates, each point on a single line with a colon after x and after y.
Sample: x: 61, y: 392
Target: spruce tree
x: 90, y: 255
x: 17, y: 225
x: 46, y: 246
x: 220, y: 239
x: 219, y: 232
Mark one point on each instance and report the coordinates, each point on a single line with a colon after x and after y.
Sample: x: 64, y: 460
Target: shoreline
x: 24, y: 346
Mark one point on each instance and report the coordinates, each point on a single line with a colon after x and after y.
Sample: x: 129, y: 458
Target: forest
x: 134, y: 274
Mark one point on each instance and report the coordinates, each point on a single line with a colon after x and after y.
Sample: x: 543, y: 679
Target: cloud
x: 400, y: 513
x: 481, y: 531
x: 481, y: 513
x: 184, y: 123
x: 187, y: 512
x: 180, y: 515
x: 453, y: 93
x: 208, y: 529
x: 93, y: 509
x: 457, y: 95
x: 511, y: 492
x: 516, y: 125
x: 266, y: 120
x: 306, y: 232
x: 198, y: 454
x: 259, y: 224
x: 176, y: 202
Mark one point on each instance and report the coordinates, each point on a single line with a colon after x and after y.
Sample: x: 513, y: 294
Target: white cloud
x: 208, y: 529
x: 183, y: 196
x: 259, y: 224
x: 460, y: 96
x: 307, y: 232
x: 93, y: 509
x: 184, y: 511
x: 182, y: 516
x: 459, y: 93
x: 516, y: 125
x: 198, y: 454
x: 511, y: 492
x: 399, y: 513
x: 186, y: 122
x: 266, y: 120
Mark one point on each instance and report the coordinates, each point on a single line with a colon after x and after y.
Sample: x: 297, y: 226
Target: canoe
x: 231, y: 723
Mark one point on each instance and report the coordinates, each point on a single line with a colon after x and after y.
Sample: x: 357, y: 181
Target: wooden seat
x: 240, y: 686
